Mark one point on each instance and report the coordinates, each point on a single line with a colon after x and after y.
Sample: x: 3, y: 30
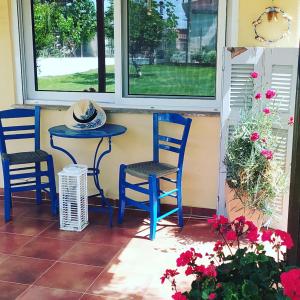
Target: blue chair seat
x: 37, y: 170
x: 145, y: 169
x: 25, y: 157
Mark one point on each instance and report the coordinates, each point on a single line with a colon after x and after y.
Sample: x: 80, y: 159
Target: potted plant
x: 239, y: 267
x: 254, y: 178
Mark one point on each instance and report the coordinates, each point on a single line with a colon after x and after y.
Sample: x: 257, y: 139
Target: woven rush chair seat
x: 26, y: 157
x: 145, y: 169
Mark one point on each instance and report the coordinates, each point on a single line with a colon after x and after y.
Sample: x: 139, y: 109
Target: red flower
x: 168, y: 273
x: 179, y: 296
x: 291, y: 121
x: 254, y: 136
x: 218, y: 285
x: 291, y: 284
x: 266, y: 236
x: 258, y: 96
x: 268, y: 154
x: 253, y: 236
x: 200, y: 269
x: 264, y: 140
x: 270, y: 94
x: 210, y: 271
x: 184, y: 258
x: 187, y: 257
x: 189, y: 270
x: 285, y: 238
x: 267, y: 111
x: 231, y: 235
x: 254, y: 75
x: 212, y: 296
x: 240, y: 219
x: 219, y: 223
x: 218, y: 246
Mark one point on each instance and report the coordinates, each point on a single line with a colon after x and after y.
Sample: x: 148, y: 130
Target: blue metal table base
x: 95, y: 172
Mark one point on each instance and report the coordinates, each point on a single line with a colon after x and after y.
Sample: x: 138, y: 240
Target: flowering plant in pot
x: 254, y: 177
x: 239, y: 267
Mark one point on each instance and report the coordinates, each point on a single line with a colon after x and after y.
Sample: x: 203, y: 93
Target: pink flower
x: 270, y: 94
x: 291, y: 120
x: 254, y: 75
x: 268, y: 154
x: 231, y: 235
x: 179, y: 296
x: 264, y: 140
x: 258, y: 96
x: 212, y: 296
x: 290, y: 281
x: 254, y: 136
x: 267, y: 111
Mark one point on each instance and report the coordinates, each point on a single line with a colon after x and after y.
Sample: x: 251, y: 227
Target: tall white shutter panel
x: 278, y: 70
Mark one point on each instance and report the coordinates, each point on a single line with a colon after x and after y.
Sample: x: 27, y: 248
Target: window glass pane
x: 66, y: 35
x: 109, y: 45
x: 172, y: 47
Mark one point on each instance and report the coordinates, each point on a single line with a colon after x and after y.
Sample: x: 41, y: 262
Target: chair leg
x: 38, y: 183
x: 153, y: 193
x: 179, y: 203
x: 51, y: 177
x: 158, y: 194
x: 7, y: 191
x: 122, y: 200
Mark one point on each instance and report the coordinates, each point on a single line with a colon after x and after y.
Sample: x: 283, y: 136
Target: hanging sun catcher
x: 272, y: 14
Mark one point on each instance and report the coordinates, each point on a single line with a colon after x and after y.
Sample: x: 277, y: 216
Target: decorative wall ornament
x: 272, y: 13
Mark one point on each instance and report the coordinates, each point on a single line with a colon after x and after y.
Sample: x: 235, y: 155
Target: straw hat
x: 84, y: 115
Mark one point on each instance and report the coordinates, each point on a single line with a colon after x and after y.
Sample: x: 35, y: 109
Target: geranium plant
x: 238, y: 267
x: 252, y: 172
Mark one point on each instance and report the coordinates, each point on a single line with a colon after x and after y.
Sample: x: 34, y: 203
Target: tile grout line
x: 104, y: 269
x: 35, y: 258
x: 36, y: 280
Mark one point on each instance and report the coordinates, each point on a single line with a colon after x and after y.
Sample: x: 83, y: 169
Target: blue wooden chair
x: 155, y: 171
x: 22, y: 171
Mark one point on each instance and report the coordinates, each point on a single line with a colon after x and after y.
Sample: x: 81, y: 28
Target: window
x: 157, y: 54
x: 172, y: 47
x: 73, y: 47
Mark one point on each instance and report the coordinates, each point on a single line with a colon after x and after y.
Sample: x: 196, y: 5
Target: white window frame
x: 24, y: 69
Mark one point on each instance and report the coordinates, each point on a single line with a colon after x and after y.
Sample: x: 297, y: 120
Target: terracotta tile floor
x: 39, y: 261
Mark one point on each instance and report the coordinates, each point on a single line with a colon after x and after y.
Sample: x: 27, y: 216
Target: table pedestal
x: 95, y: 173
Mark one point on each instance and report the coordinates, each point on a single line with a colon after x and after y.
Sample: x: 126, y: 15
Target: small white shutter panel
x: 278, y: 70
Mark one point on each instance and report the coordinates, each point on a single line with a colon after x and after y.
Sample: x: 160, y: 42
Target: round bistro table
x: 105, y: 132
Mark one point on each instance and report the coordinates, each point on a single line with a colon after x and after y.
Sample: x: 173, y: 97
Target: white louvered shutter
x: 278, y: 69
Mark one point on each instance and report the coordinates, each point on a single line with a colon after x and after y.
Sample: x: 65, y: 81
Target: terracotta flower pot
x: 235, y: 208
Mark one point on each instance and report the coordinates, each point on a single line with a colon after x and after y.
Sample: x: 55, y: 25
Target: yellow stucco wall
x: 202, y: 159
x: 251, y: 10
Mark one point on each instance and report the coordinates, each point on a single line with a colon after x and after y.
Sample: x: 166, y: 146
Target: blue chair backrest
x: 20, y: 131
x: 162, y: 142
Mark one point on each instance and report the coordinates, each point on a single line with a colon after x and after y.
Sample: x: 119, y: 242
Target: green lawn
x: 173, y: 80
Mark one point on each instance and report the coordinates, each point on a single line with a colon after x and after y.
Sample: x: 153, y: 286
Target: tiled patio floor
x: 39, y: 261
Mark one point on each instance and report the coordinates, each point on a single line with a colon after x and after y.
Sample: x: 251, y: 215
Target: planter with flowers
x: 239, y: 267
x: 254, y: 178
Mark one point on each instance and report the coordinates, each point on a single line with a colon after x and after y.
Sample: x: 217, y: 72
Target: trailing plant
x: 253, y: 172
x: 239, y: 267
